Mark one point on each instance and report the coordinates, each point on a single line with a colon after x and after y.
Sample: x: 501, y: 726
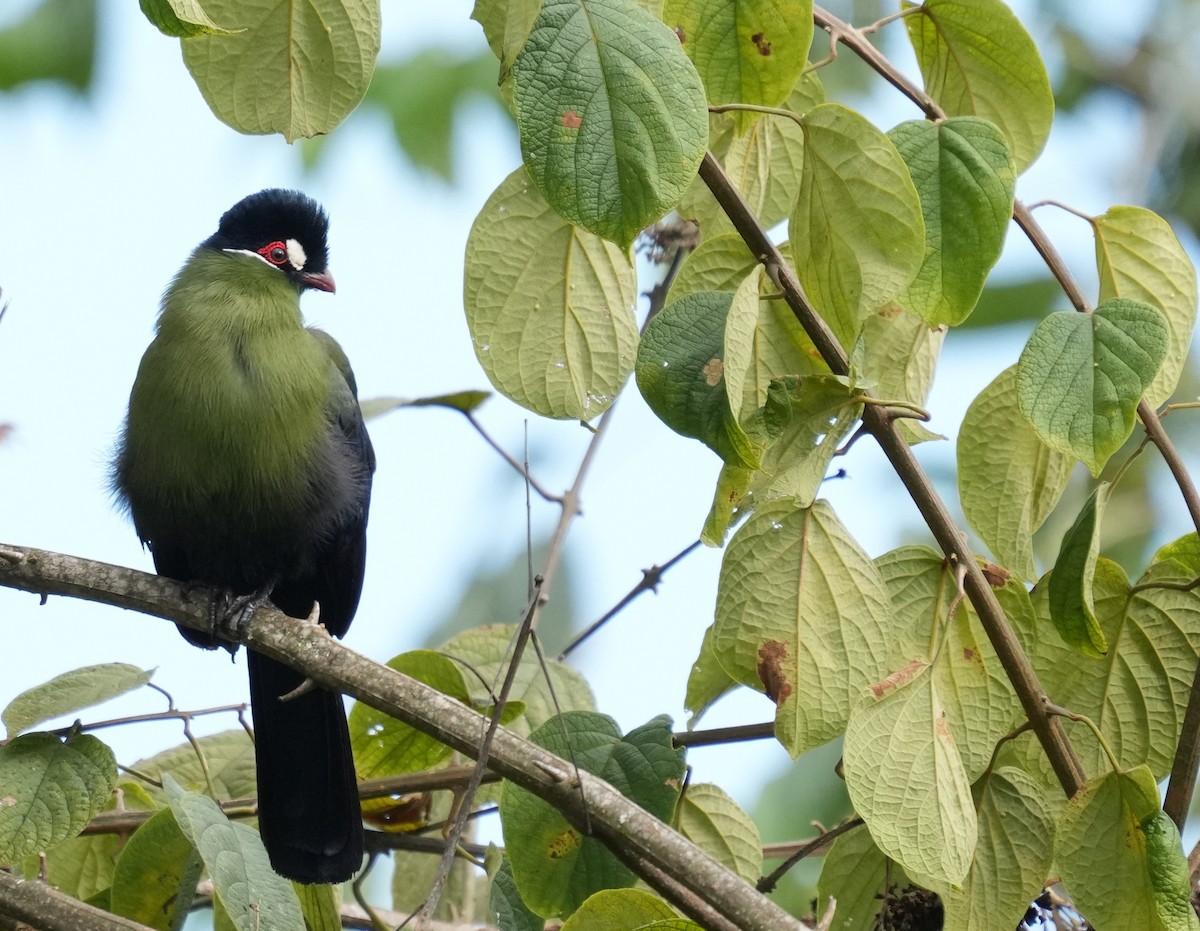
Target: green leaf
x: 506, y: 26
x: 1138, y: 692
x: 859, y: 876
x: 83, y: 867
x: 543, y: 689
x: 1080, y: 376
x: 856, y: 232
x: 1071, y: 600
x: 965, y: 177
x: 1139, y: 256
x: 897, y: 355
x: 719, y: 263
x: 384, y: 746
x: 253, y: 895
x: 746, y: 51
x: 55, y: 42
x: 812, y: 416
x: 512, y: 914
x: 294, y: 69
x: 1012, y: 857
x: 181, y: 18
x: 977, y: 58
x: 1008, y: 479
x: 906, y: 778
x: 71, y: 692
x: 1168, y: 869
x: 978, y: 702
x: 619, y: 910
x: 321, y: 906
x: 681, y: 374
x: 707, y: 681
x: 611, y: 113
x: 52, y: 789
x: 716, y: 824
x: 802, y: 615
x: 557, y: 337
x: 1121, y: 865
x: 555, y: 866
x: 156, y: 874
x: 732, y: 484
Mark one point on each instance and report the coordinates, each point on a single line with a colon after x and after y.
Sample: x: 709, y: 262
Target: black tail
x: 308, y: 810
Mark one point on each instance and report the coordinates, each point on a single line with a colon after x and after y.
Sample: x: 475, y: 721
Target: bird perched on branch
x: 246, y: 467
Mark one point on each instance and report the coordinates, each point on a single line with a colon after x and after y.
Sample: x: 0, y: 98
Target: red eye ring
x: 276, y: 253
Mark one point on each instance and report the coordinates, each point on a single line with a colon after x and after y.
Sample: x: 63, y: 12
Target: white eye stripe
x: 296, y: 255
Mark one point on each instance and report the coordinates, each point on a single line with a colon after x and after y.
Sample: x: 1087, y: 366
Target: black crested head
x: 285, y: 229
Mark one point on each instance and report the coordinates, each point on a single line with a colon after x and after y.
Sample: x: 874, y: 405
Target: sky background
x: 103, y: 198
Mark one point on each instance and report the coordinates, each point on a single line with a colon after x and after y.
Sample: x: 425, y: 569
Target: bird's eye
x: 276, y: 253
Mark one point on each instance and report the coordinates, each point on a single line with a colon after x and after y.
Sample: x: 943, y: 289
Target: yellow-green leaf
x: 715, y: 823
x: 549, y: 305
x: 906, y: 778
x: 1012, y: 856
x: 977, y: 58
x: 746, y: 51
x: 1008, y: 479
x: 857, y: 233
x: 1121, y: 864
x: 802, y: 615
x: 294, y: 69
x: 1139, y: 256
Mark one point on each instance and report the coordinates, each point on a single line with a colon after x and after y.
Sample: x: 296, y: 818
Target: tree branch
x: 678, y: 869
x: 26, y: 905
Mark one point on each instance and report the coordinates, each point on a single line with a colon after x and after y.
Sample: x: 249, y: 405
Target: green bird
x: 246, y: 467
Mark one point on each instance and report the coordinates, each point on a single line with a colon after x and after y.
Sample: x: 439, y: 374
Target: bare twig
x: 649, y: 583
x: 819, y: 844
x: 724, y: 735
x: 522, y: 470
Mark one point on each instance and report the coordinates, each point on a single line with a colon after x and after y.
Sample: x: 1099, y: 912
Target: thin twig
x: 522, y: 471
x: 147, y: 718
x: 768, y: 883
x: 724, y: 735
x: 649, y: 583
x: 425, y: 914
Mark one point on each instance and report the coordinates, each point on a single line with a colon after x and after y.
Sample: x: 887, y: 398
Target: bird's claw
x: 229, y: 615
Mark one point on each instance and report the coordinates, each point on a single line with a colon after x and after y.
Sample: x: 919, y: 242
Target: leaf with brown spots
x: 802, y: 614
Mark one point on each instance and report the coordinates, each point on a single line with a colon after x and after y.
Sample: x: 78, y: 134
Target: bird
x: 246, y: 467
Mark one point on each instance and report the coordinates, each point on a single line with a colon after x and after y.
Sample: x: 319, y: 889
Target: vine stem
x: 881, y: 424
x: 1187, y: 755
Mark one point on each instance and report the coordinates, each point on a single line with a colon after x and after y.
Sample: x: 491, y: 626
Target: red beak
x: 322, y: 281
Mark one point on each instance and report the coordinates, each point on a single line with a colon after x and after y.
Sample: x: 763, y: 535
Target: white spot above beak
x: 296, y: 255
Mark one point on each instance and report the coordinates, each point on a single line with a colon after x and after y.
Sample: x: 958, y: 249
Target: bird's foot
x: 229, y: 615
